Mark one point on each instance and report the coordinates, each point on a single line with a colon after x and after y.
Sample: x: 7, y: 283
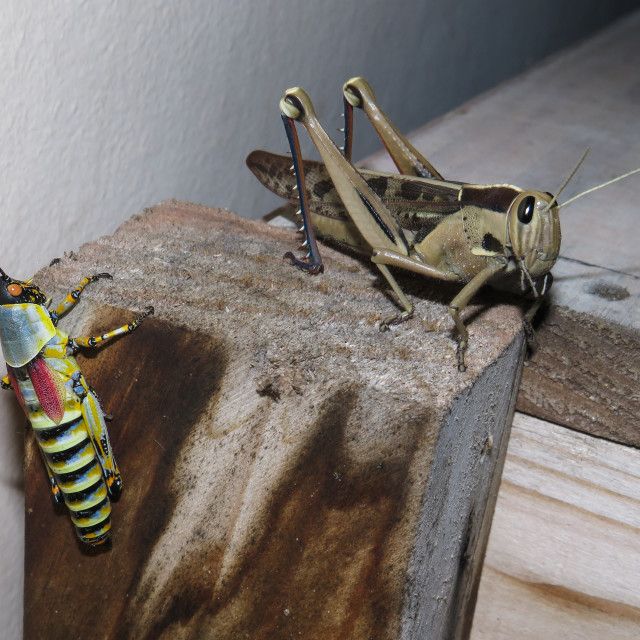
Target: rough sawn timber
x: 289, y: 470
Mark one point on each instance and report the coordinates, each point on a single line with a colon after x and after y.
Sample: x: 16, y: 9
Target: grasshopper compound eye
x: 525, y: 209
x: 14, y: 289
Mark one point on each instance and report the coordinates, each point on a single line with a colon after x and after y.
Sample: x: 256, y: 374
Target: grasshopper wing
x: 417, y: 204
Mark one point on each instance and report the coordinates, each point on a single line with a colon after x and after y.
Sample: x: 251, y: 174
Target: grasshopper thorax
x: 25, y: 323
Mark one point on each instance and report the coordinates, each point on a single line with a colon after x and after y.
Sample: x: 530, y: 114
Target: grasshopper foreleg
x: 462, y: 300
x: 386, y: 257
x: 533, y: 309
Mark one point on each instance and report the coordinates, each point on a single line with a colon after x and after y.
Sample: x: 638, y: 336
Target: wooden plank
x: 288, y: 469
x: 530, y: 131
x: 562, y: 559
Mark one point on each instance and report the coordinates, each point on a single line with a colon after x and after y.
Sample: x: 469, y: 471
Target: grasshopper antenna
x: 600, y: 186
x: 566, y: 182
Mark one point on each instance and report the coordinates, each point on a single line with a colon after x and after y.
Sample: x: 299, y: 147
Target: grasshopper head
x: 18, y: 292
x: 533, y: 232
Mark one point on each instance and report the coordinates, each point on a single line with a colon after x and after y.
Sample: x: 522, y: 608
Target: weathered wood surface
x: 289, y: 470
x: 530, y: 131
x: 563, y: 558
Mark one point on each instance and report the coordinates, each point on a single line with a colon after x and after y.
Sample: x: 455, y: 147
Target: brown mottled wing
x: 274, y: 172
x: 417, y: 204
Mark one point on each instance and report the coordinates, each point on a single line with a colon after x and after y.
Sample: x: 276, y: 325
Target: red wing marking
x: 49, y: 388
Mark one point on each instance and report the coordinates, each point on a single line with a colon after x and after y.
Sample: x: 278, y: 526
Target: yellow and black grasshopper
x: 65, y: 413
x: 414, y: 220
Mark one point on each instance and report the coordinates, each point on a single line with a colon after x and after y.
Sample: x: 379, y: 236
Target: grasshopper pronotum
x: 414, y: 220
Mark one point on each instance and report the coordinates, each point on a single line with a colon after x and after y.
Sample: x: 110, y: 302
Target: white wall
x: 110, y: 107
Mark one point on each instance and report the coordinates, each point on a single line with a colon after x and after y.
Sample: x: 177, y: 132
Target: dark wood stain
x: 314, y: 568
x: 156, y: 383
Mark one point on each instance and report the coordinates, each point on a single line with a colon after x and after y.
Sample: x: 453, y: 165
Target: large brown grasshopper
x: 414, y: 220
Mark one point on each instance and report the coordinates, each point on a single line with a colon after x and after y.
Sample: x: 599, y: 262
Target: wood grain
x: 288, y: 469
x: 563, y: 560
x: 530, y: 131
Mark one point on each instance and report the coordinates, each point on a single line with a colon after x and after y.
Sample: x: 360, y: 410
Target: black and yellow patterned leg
x: 6, y: 383
x: 72, y: 298
x: 96, y: 341
x: 94, y: 419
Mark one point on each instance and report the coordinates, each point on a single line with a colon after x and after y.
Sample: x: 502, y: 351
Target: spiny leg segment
x: 315, y: 265
x: 347, y: 147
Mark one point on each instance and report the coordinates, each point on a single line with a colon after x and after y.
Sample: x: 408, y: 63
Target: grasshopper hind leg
x: 313, y: 262
x: 347, y: 147
x: 408, y: 160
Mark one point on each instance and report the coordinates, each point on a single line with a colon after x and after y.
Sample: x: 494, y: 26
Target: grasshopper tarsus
x: 529, y: 332
x: 312, y: 268
x: 387, y: 323
x: 461, y: 350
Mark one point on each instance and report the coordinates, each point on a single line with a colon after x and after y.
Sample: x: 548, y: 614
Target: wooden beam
x: 288, y: 469
x: 562, y: 560
x: 530, y: 131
